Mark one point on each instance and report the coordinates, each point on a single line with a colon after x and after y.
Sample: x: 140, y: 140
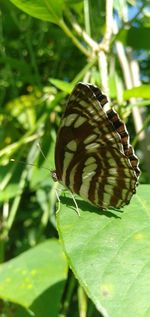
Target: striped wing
x: 93, y: 157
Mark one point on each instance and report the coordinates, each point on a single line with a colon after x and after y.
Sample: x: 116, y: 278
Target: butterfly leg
x: 58, y: 209
x: 77, y: 208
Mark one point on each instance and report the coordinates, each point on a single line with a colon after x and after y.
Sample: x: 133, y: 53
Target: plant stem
x: 87, y: 17
x: 104, y: 47
x: 66, y: 30
x: 82, y: 302
x: 94, y: 45
x: 16, y: 201
x: 103, y: 68
x: 136, y: 15
x: 84, y: 70
x: 145, y: 123
x: 16, y: 145
x: 109, y: 24
x: 69, y: 293
x: 128, y: 78
x: 12, y: 214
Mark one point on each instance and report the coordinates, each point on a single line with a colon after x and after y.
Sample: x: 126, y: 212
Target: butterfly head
x: 54, y: 175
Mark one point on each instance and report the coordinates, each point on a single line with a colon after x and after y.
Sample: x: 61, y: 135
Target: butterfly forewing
x: 91, y: 158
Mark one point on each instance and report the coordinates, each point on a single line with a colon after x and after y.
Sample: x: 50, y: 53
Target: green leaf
x: 73, y: 1
x: 62, y: 85
x: 142, y: 91
x: 35, y: 276
x: 139, y: 103
x: 116, y: 87
x: 109, y: 253
x: 138, y: 38
x: 47, y: 10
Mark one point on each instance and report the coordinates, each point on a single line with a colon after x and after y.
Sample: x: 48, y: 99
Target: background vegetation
x: 45, y: 49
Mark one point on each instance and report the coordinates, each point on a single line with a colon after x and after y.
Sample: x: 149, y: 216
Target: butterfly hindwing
x: 90, y: 155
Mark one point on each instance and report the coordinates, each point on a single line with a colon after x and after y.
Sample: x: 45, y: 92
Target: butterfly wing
x: 90, y: 156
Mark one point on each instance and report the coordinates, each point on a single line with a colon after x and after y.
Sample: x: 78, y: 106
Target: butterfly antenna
x: 41, y: 151
x: 40, y: 148
x: 24, y: 163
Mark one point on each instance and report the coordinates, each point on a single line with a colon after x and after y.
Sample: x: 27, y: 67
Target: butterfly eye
x: 93, y: 157
x: 54, y: 176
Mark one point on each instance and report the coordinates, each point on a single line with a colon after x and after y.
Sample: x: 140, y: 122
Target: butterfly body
x: 93, y: 157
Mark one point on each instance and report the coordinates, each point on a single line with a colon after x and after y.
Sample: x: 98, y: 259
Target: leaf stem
x: 109, y: 26
x: 87, y: 17
x: 86, y: 37
x: 16, y: 145
x: 12, y: 214
x: 66, y: 30
x: 16, y: 201
x: 82, y: 73
x: 69, y: 293
x: 145, y: 123
x: 104, y: 47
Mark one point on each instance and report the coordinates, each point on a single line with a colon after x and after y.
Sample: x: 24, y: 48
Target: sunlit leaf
x: 35, y: 275
x: 142, y: 91
x: 47, y: 10
x: 62, y: 85
x: 109, y: 253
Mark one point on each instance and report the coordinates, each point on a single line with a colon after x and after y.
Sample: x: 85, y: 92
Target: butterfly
x: 93, y: 157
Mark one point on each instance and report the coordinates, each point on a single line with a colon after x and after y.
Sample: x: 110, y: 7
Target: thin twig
x: 66, y: 30
x: 103, y: 66
x: 82, y: 33
x: 87, y: 17
x: 128, y: 78
x: 136, y: 15
x: 16, y: 145
x: 15, y: 204
x: 104, y: 47
x: 109, y: 25
x: 145, y: 124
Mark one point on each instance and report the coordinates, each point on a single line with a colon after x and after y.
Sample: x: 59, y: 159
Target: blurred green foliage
x: 39, y: 64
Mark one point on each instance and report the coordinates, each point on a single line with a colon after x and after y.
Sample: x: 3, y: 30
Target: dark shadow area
x: 85, y: 206
x: 47, y: 304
